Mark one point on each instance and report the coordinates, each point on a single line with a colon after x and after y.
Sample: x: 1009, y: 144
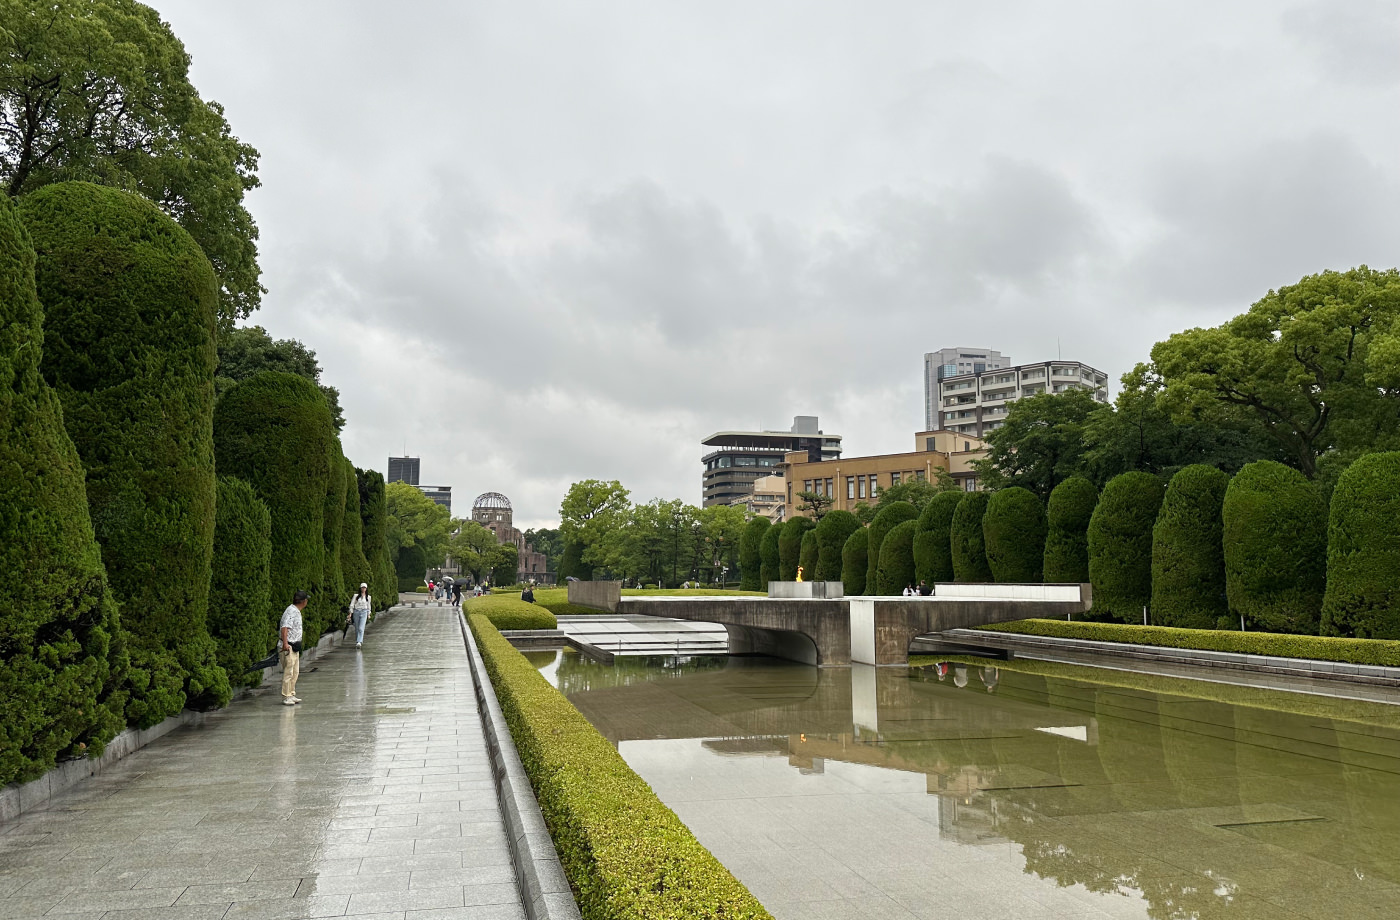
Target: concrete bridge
x: 828, y: 630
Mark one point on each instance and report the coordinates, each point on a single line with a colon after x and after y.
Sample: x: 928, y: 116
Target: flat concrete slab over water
x: 988, y: 792
x: 373, y: 797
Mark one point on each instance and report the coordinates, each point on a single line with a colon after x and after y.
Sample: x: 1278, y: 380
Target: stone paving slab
x: 373, y: 798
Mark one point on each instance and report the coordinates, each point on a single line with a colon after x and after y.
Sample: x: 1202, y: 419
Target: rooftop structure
x: 953, y: 362
x: 403, y: 469
x: 740, y: 457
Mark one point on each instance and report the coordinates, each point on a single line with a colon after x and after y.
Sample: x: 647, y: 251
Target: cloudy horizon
x: 543, y: 242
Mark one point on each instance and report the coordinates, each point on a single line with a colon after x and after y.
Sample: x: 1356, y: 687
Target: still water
x: 1019, y: 790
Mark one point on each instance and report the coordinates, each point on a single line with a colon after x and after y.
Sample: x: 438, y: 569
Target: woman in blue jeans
x: 360, y: 606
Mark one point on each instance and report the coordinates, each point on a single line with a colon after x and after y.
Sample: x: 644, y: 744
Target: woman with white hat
x: 360, y: 606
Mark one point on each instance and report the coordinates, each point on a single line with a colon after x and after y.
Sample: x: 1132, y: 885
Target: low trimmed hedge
x: 508, y: 611
x: 1283, y: 645
x: 626, y: 854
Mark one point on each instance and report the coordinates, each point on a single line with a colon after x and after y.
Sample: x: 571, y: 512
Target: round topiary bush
x: 353, y: 564
x: 933, y: 549
x: 1120, y: 546
x: 966, y: 542
x: 384, y: 585
x: 790, y: 546
x: 1188, y: 551
x: 130, y: 303
x: 750, y: 555
x: 886, y: 519
x: 239, y: 590
x: 1275, y: 535
x: 833, y: 530
x: 1363, y: 551
x: 807, y: 558
x: 1013, y: 530
x: 61, y: 659
x: 1067, y: 515
x: 274, y: 431
x: 853, y: 562
x: 770, y: 560
x: 897, y: 558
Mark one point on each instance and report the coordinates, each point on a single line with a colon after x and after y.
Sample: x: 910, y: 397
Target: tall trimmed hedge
x: 750, y: 555
x: 807, y: 558
x: 1275, y: 534
x: 833, y: 530
x: 854, y: 562
x: 933, y: 551
x: 1363, y: 551
x: 886, y: 519
x: 1013, y: 529
x: 130, y: 303
x: 62, y: 662
x: 412, y: 566
x: 1067, y: 515
x: 790, y: 546
x: 770, y: 559
x: 1120, y: 546
x: 897, y: 557
x: 384, y: 586
x: 274, y: 430
x: 327, y: 608
x: 1188, y: 551
x: 966, y: 542
x: 239, y: 589
x: 354, y: 566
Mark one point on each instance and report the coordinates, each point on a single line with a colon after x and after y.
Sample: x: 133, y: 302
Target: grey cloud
x: 1357, y: 41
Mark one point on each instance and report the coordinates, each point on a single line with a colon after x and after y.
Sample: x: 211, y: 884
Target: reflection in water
x: 978, y: 785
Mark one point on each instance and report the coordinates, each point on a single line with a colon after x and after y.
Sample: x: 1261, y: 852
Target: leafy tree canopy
x: 99, y: 91
x: 548, y: 542
x: 1040, y: 445
x: 589, y: 511
x: 413, y: 517
x: 248, y: 350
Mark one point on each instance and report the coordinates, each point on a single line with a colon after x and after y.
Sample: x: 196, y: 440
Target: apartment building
x: 741, y: 457
x: 769, y: 498
x: 977, y: 403
x: 953, y: 362
x: 852, y: 480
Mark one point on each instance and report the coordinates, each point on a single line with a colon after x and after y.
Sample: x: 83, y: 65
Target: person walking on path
x: 290, y: 646
x: 360, y: 606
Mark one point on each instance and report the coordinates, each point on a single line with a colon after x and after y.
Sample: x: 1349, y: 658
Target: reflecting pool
x: 1023, y: 789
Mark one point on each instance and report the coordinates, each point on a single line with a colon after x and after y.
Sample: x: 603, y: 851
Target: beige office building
x: 852, y: 480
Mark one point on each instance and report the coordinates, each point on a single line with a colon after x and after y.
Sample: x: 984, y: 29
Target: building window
x: 829, y: 492
x: 860, y: 481
x: 970, y: 484
x: 967, y: 445
x: 919, y: 475
x: 850, y: 487
x: 874, y: 484
x: 894, y: 479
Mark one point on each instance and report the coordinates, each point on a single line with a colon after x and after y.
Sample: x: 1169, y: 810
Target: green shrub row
x: 1282, y: 645
x: 508, y: 611
x: 627, y: 856
x: 750, y: 559
x: 790, y: 536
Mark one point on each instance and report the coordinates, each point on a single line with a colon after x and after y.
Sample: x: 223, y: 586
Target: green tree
x: 833, y: 530
x: 897, y: 557
x: 1067, y: 517
x: 816, y: 503
x: 1041, y: 443
x: 809, y: 555
x: 966, y: 542
x: 790, y: 546
x: 411, y: 566
x: 750, y: 557
x: 249, y: 350
x: 1275, y: 536
x: 99, y: 91
x: 1363, y: 551
x: 327, y: 608
x: 129, y: 303
x: 885, y: 520
x: 472, y: 547
x: 1188, y: 551
x: 571, y: 564
x: 506, y: 566
x: 1013, y: 530
x: 769, y: 556
x: 547, y: 542
x: 855, y: 562
x: 414, y: 518
x: 374, y: 539
x: 1120, y: 546
x: 1298, y: 364
x: 274, y: 431
x: 720, y: 535
x: 354, y: 565
x: 590, y: 511
x: 239, y: 592
x: 933, y: 548
x: 62, y: 658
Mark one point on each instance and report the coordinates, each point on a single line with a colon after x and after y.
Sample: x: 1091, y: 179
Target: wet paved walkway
x: 372, y: 798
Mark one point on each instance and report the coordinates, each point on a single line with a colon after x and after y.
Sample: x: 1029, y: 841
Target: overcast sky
x: 540, y: 242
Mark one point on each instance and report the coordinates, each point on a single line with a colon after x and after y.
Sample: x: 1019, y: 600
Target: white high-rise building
x: 953, y: 362
x: 975, y: 403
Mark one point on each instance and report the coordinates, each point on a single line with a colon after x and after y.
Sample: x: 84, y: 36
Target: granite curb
x: 1372, y: 675
x: 19, y: 798
x: 544, y: 889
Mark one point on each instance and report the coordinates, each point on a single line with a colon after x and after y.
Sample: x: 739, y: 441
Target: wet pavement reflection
x: 1011, y: 790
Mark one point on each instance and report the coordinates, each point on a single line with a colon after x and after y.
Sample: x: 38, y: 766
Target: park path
x: 374, y: 798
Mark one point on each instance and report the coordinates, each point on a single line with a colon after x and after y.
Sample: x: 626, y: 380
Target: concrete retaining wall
x: 600, y: 595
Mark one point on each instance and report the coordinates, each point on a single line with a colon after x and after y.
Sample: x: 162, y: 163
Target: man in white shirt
x: 289, y: 645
